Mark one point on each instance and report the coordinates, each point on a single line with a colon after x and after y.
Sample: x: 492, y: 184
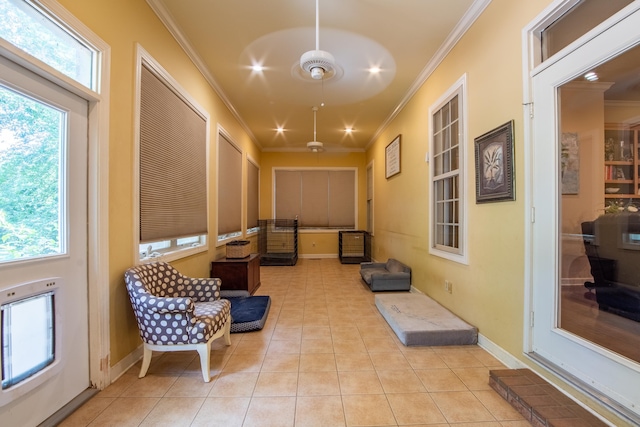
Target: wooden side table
x: 238, y: 273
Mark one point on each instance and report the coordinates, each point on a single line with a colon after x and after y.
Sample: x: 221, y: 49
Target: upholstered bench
x: 386, y: 276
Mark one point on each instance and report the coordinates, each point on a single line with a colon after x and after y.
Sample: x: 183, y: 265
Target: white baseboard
x: 499, y: 353
x: 127, y: 362
x: 318, y: 256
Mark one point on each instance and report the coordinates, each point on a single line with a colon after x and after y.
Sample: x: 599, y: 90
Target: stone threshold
x: 538, y: 401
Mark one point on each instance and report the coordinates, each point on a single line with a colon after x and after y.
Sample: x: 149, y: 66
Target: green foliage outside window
x: 30, y: 134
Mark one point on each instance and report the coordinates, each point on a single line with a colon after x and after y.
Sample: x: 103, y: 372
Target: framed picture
x: 392, y: 158
x: 494, y: 165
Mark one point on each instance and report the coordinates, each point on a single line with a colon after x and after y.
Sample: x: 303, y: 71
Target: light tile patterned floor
x: 325, y: 357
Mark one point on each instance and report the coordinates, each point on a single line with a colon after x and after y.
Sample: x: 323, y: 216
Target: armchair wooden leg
x: 146, y: 360
x: 204, y: 350
x: 227, y: 331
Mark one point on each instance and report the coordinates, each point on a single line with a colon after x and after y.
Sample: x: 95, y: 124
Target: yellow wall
x: 313, y: 243
x: 489, y: 292
x: 122, y: 24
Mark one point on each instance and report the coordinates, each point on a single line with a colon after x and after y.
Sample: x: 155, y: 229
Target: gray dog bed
x: 418, y: 320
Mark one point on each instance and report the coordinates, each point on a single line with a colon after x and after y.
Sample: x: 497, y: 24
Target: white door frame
x: 97, y: 185
x: 531, y: 67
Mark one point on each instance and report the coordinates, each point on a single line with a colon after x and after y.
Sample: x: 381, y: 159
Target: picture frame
x: 495, y: 179
x: 392, y: 157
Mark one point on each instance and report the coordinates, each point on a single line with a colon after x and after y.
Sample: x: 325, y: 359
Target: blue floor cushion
x: 248, y: 313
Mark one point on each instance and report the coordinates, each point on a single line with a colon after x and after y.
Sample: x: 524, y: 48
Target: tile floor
x: 324, y: 358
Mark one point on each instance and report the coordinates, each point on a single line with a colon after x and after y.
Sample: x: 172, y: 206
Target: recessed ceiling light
x: 591, y: 76
x: 348, y: 130
x: 257, y: 67
x: 279, y: 129
x: 374, y: 70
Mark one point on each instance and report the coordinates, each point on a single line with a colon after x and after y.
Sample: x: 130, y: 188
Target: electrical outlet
x: 448, y: 286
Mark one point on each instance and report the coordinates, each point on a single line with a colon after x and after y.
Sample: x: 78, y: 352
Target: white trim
x: 458, y: 88
x: 499, y: 353
x: 318, y: 256
x: 121, y: 368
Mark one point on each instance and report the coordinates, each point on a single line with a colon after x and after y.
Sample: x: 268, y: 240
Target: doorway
x: 585, y: 249
x: 43, y: 265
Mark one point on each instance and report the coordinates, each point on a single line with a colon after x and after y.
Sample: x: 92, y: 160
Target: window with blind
x: 172, y: 168
x: 370, y: 199
x: 253, y: 196
x: 229, y: 189
x: 319, y: 198
x: 447, y: 219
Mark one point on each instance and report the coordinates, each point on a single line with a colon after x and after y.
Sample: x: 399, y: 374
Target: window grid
x: 446, y: 177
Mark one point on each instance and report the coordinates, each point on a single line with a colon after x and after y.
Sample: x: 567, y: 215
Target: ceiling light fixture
x: 315, y: 146
x: 317, y: 62
x: 591, y: 76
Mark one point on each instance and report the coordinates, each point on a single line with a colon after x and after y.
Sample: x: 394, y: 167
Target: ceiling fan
x: 318, y: 63
x: 315, y: 146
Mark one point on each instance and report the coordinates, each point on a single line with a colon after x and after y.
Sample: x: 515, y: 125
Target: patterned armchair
x: 177, y: 313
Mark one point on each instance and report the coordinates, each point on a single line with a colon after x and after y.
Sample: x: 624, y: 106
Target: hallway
x: 325, y: 357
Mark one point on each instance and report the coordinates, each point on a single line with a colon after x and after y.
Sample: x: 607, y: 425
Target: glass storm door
x: 44, y: 356
x: 586, y: 196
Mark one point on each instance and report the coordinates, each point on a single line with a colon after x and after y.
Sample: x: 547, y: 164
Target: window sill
x: 176, y: 254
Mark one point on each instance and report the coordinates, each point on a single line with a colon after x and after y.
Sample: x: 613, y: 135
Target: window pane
x: 27, y: 338
x: 579, y: 20
x: 30, y: 147
x: 437, y: 122
x: 27, y: 28
x: 446, y: 137
x: 437, y: 142
x: 455, y: 159
x: 454, y: 108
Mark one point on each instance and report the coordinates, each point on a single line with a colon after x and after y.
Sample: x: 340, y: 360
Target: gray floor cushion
x: 418, y: 320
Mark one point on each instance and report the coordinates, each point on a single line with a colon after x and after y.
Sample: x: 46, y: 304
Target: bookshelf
x: 621, y: 164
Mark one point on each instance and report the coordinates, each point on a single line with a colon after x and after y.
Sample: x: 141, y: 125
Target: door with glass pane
x: 44, y: 354
x: 586, y: 234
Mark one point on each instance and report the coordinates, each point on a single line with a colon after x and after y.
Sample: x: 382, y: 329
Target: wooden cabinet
x: 621, y: 165
x: 238, y: 273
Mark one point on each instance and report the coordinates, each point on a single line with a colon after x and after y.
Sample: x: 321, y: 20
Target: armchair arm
x: 162, y: 305
x: 372, y: 265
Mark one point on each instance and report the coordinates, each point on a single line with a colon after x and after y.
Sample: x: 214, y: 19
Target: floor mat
x: 418, y: 320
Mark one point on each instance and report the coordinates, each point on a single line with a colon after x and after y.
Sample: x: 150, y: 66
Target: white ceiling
x: 405, y: 38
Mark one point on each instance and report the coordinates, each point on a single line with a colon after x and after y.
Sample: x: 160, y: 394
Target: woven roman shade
x: 288, y: 192
x: 173, y: 163
x: 229, y: 187
x: 253, y: 191
x: 319, y: 198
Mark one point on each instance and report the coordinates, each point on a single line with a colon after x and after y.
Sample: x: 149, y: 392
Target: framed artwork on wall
x: 392, y: 158
x: 495, y: 179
